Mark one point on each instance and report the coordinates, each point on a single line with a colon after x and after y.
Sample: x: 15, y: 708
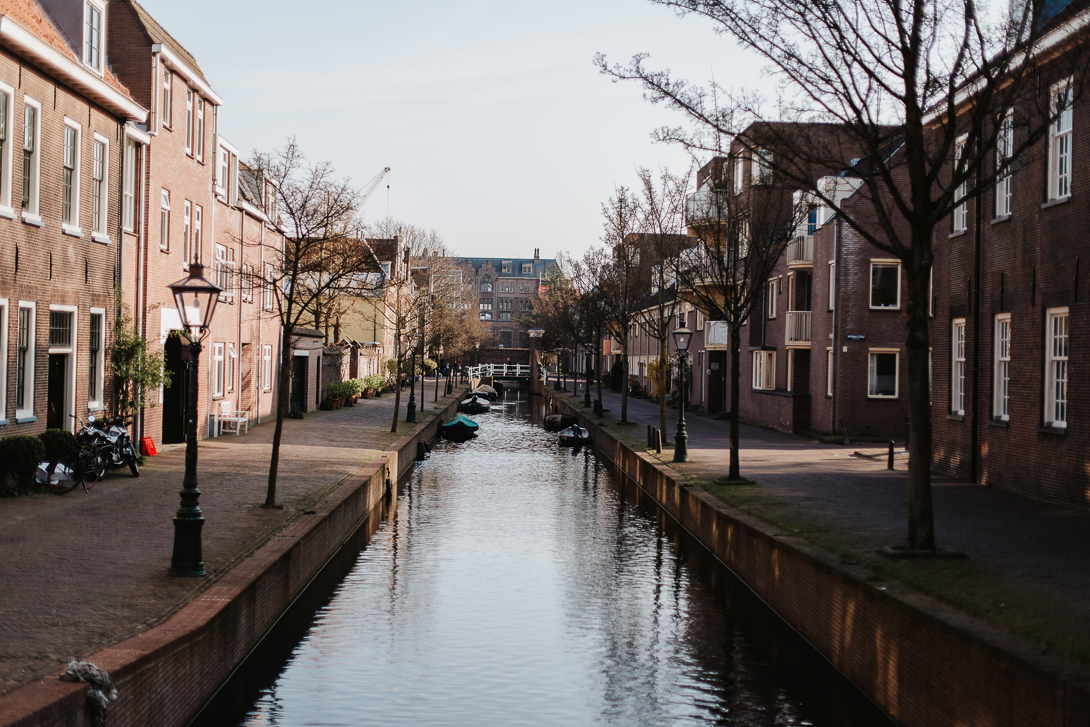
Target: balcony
x: 798, y: 328
x: 706, y: 206
x: 716, y: 336
x: 800, y: 251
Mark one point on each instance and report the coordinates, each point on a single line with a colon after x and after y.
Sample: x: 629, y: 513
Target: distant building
x: 505, y: 291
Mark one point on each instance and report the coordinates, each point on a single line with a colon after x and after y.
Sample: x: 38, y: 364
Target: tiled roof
x: 158, y: 34
x: 30, y: 15
x: 384, y: 249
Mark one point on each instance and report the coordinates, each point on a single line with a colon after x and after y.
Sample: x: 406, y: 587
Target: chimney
x: 537, y: 254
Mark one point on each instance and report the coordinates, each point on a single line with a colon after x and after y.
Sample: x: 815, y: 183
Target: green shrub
x: 21, y: 454
x: 340, y: 389
x: 357, y: 386
x: 374, y: 381
x: 58, y: 442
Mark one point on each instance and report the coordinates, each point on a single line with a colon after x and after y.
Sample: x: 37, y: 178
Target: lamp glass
x: 196, y: 299
x: 681, y: 339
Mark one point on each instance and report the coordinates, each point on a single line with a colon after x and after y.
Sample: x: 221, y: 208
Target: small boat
x: 573, y: 436
x: 556, y: 422
x: 459, y: 429
x: 486, y: 391
x: 475, y: 405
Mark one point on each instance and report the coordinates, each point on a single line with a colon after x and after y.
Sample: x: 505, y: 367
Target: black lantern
x: 682, y: 336
x: 196, y: 299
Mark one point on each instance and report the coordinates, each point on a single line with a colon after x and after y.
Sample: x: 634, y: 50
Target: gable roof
x: 158, y: 34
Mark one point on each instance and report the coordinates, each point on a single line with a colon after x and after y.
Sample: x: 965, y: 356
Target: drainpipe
x: 836, y: 320
x: 974, y: 445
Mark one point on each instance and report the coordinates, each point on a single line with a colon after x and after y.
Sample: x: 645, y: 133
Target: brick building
x: 65, y: 120
x: 506, y: 288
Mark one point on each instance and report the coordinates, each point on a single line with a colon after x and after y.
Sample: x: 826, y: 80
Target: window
x: 961, y: 209
x: 70, y: 176
x: 224, y: 169
x: 223, y: 275
x: 527, y: 268
x: 507, y: 267
x: 485, y: 304
x: 129, y: 192
x: 772, y: 298
x: 811, y: 221
x: 187, y: 233
x: 95, y: 363
x: 885, y: 285
x: 1002, y: 377
x: 762, y: 166
x: 270, y: 287
x: 168, y: 107
x: 197, y: 214
x: 1004, y: 150
x: 31, y: 132
x: 5, y: 152
x: 24, y: 363
x: 188, y: 121
x: 828, y: 372
x: 957, y: 373
x: 739, y: 174
x: 92, y: 35
x: 232, y: 366
x: 524, y: 287
x: 486, y: 285
x: 1056, y: 344
x: 200, y: 128
x: 883, y: 374
x: 764, y: 370
x: 486, y: 315
x: 832, y: 285
x: 217, y: 369
x: 99, y: 190
x: 1059, y: 142
x: 164, y: 220
x: 246, y: 284
x: 266, y: 367
x: 60, y: 329
x: 680, y: 316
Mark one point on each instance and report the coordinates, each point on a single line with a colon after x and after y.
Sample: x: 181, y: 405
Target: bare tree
x: 939, y: 100
x: 323, y: 255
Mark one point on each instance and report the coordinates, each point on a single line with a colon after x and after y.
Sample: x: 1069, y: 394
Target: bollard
x: 658, y: 440
x: 889, y: 466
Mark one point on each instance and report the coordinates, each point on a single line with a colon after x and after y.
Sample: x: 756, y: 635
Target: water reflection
x: 515, y: 583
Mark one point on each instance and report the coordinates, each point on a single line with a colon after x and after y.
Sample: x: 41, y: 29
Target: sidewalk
x: 86, y: 570
x: 1027, y: 572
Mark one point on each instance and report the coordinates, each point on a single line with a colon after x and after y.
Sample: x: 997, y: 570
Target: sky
x: 499, y: 131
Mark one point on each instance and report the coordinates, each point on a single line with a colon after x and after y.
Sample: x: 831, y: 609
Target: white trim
x: 7, y: 150
x: 101, y: 234
x: 180, y: 67
x: 1001, y: 367
x: 1055, y: 414
x: 1056, y: 190
x: 217, y: 362
x: 870, y: 284
x: 27, y: 412
x: 32, y: 210
x: 75, y: 74
x: 137, y: 135
x: 4, y: 312
x: 71, y: 351
x: 958, y: 362
x: 100, y: 6
x: 872, y: 372
x: 72, y: 227
x: 100, y: 385
x: 960, y: 215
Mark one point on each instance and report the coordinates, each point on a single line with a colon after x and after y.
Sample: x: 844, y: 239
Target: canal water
x: 512, y: 582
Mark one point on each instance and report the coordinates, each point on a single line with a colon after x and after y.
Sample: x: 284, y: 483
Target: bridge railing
x: 505, y: 370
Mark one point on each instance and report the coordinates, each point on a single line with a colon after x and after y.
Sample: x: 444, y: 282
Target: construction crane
x: 373, y: 185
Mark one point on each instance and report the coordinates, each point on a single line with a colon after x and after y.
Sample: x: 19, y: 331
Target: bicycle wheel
x: 65, y: 473
x: 94, y: 469
x: 134, y: 464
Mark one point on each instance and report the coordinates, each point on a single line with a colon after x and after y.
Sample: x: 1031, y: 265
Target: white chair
x: 233, y: 419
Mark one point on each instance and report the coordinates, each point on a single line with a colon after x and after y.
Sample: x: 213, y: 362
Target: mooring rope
x: 101, y: 689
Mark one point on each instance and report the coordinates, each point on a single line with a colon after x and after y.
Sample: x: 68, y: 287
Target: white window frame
x: 884, y: 264
x: 960, y: 216
x: 771, y: 307
x: 269, y: 291
x: 31, y: 208
x: 187, y: 234
x: 1057, y: 348
x: 73, y: 130
x: 1059, y: 141
x: 128, y: 174
x: 7, y: 134
x: 739, y: 174
x: 1004, y: 150
x: 957, y: 366
x: 26, y: 412
x: 764, y: 370
x: 189, y: 121
x: 829, y: 371
x: 232, y: 367
x: 266, y: 367
x: 200, y: 128
x: 1001, y: 372
x: 93, y: 56
x: 832, y: 285
x: 99, y: 358
x: 164, y: 220
x: 168, y: 97
x: 872, y: 372
x: 762, y: 166
x: 4, y: 360
x: 217, y: 369
x: 220, y: 276
x: 198, y: 224
x: 100, y: 189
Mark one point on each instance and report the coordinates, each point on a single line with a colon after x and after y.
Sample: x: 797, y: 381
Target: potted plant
x: 338, y: 392
x: 375, y: 383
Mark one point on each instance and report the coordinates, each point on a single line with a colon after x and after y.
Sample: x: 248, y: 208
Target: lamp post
x: 586, y: 388
x: 196, y: 300
x: 410, y: 415
x: 681, y: 438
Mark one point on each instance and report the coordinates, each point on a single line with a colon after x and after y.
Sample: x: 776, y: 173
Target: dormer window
x: 92, y: 34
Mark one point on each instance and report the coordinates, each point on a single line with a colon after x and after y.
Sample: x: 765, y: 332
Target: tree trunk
x: 662, y: 380
x: 921, y: 525
x: 397, y: 395
x: 624, y: 380
x: 282, y: 400
x: 734, y: 472
x: 598, y: 367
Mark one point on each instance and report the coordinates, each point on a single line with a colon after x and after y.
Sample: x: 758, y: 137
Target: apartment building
x: 506, y: 288
x: 67, y: 125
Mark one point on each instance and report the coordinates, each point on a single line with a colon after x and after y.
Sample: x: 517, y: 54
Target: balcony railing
x: 800, y: 251
x: 706, y: 206
x: 716, y: 336
x: 798, y: 327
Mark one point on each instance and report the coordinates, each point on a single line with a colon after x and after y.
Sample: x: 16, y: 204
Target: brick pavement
x: 1028, y: 571
x: 86, y: 570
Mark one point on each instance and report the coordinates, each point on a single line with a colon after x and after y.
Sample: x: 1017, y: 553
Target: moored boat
x: 459, y: 429
x: 573, y: 435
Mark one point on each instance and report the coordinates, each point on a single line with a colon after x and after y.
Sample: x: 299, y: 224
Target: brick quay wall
x: 166, y: 674
x: 921, y: 661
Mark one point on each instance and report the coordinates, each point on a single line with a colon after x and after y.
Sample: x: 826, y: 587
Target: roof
x: 249, y: 185
x: 385, y: 249
x: 30, y: 15
x: 539, y: 266
x: 158, y: 34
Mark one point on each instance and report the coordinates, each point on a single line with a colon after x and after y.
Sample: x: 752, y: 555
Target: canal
x: 512, y: 582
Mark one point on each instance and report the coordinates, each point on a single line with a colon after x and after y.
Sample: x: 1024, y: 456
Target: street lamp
x: 477, y: 346
x: 196, y: 300
x: 586, y: 386
x: 681, y: 439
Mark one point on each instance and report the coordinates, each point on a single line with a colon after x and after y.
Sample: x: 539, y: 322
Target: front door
x: 58, y: 386
x: 299, y: 383
x: 175, y: 396
x: 717, y: 382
